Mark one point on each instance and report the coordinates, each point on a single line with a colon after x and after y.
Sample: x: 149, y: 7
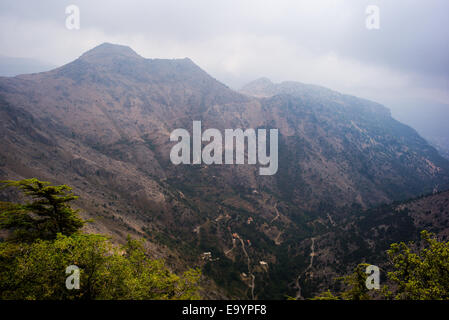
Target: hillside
x: 102, y: 124
x: 365, y: 235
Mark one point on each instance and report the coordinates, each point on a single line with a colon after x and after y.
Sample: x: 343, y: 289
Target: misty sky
x: 322, y: 42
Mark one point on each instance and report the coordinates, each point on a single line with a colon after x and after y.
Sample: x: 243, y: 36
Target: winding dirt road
x: 312, y: 254
x: 252, y: 285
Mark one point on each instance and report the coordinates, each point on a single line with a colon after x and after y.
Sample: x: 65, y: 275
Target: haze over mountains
x: 102, y: 123
x: 11, y: 66
x: 430, y: 121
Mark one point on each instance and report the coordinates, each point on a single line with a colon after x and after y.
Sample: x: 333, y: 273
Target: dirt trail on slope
x: 276, y: 240
x: 252, y: 285
x: 233, y: 246
x: 312, y: 254
x: 277, y: 213
x: 331, y: 220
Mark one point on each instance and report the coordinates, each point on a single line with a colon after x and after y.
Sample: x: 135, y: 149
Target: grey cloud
x: 323, y: 42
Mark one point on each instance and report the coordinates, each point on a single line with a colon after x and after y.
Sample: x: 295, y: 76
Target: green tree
x: 47, y: 214
x: 47, y: 239
x: 354, y: 284
x: 327, y: 295
x: 419, y: 271
x: 37, y: 271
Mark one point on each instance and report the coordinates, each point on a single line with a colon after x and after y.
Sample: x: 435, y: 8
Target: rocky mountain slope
x: 102, y: 124
x: 365, y: 235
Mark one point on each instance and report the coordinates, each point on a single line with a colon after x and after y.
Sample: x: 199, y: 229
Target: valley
x: 102, y: 125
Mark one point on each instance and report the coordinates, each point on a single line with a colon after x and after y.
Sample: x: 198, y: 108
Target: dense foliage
x: 48, y: 214
x: 34, y: 267
x: 419, y: 271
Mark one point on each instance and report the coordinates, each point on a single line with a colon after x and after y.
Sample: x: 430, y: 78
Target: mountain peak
x: 262, y: 87
x: 109, y: 50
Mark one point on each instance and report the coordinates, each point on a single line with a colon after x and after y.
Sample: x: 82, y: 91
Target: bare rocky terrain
x: 101, y: 124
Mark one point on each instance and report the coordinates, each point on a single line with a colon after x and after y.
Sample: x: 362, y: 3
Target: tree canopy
x: 47, y: 239
x: 418, y: 271
x: 37, y: 271
x: 47, y: 214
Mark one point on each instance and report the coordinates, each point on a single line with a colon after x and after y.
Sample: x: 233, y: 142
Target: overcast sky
x: 322, y: 42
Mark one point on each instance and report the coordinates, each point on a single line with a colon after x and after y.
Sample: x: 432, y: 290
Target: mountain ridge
x: 103, y: 127
x: 264, y: 87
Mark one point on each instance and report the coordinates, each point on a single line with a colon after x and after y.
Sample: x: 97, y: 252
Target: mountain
x: 367, y: 235
x: 102, y: 125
